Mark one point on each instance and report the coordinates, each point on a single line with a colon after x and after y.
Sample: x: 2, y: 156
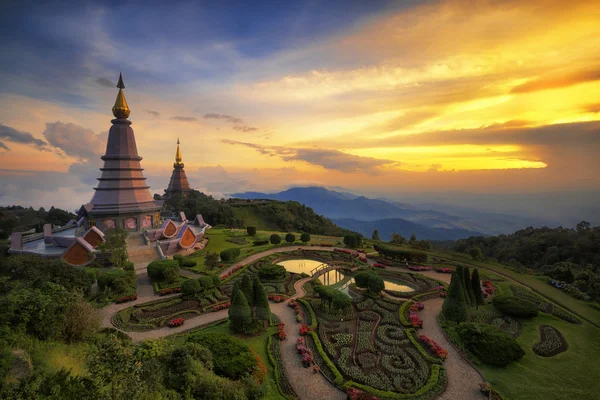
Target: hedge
x: 260, y: 242
x: 338, y: 376
x: 313, y: 317
x: 403, y: 312
x: 401, y: 254
x: 189, y: 263
x: 437, y: 377
x: 515, y: 306
x: 161, y: 269
x: 275, y: 366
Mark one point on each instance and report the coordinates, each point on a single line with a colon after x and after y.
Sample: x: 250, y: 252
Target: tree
x: 454, y: 307
x: 375, y: 235
x: 290, y: 238
x: 275, y: 239
x: 305, y: 237
x: 236, y: 288
x: 248, y: 289
x: 475, y: 253
x: 583, y: 226
x: 211, y: 260
x: 115, y: 247
x: 468, y: 288
x: 370, y: 281
x: 251, y: 230
x: 261, y: 301
x: 476, y: 287
x: 81, y: 320
x: 240, y: 313
x: 460, y: 271
x: 229, y: 255
x: 112, y: 362
x: 413, y: 238
x: 397, y: 238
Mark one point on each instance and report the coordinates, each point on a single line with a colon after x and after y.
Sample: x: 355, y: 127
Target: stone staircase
x: 139, y: 251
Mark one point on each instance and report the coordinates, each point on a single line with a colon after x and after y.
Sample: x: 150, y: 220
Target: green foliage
x: 164, y: 271
x: 115, y: 247
x: 189, y: 263
x: 400, y: 254
x: 397, y: 238
x: 275, y: 239
x: 251, y: 230
x: 260, y: 242
x: 469, y: 295
x: 261, y: 301
x: 190, y: 287
x: 333, y: 297
x: 455, y: 307
x: 369, y: 280
x: 232, y: 357
x: 475, y: 253
x: 230, y: 255
x: 55, y: 385
x: 21, y: 219
x: 216, y: 280
x: 290, y: 238
x: 353, y: 240
x: 240, y: 313
x: 271, y: 271
x: 118, y: 281
x: 305, y: 237
x: 489, y: 344
x: 375, y: 235
x: 476, y: 287
x: 515, y: 306
x: 206, y: 282
x: 248, y: 289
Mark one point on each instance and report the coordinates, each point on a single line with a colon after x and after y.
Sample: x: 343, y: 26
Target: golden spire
x: 120, y: 109
x: 178, y: 158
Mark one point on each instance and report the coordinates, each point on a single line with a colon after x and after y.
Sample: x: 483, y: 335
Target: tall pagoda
x: 122, y: 198
x: 179, y: 182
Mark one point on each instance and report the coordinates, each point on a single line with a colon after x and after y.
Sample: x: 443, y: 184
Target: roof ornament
x: 120, y: 109
x: 178, y: 158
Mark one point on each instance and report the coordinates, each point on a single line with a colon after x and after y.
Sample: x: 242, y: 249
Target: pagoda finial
x: 178, y: 159
x: 120, y: 109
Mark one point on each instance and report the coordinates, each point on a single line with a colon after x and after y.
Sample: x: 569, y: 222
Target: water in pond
x: 334, y: 277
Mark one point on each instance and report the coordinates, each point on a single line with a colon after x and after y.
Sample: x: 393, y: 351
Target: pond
x: 334, y: 277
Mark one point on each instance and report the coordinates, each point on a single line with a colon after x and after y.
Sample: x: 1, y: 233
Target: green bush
x: 206, y: 282
x: 515, y: 306
x: 260, y: 242
x: 290, y: 238
x: 216, y: 279
x: 189, y: 263
x: 251, y: 230
x: 232, y: 357
x: 117, y: 280
x: 129, y: 266
x: 400, y: 254
x: 305, y: 237
x: 271, y: 271
x: 369, y: 280
x: 164, y: 270
x: 229, y: 255
x: 190, y: 287
x: 179, y: 259
x: 489, y: 344
x: 275, y: 239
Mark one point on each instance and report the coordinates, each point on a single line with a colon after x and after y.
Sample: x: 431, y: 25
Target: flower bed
x: 434, y: 347
x: 167, y: 291
x: 175, y: 322
x: 488, y: 289
x: 221, y: 306
x: 419, y: 268
x: 444, y: 270
x: 379, y: 265
x: 355, y: 394
x: 280, y: 331
x: 125, y: 299
x: 276, y: 298
x: 281, y: 378
x: 305, y: 352
x: 551, y: 343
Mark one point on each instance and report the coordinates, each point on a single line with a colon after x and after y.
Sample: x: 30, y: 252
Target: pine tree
x: 236, y: 288
x: 375, y: 235
x: 476, y: 287
x: 469, y: 289
x: 460, y: 271
x: 240, y: 314
x: 261, y: 301
x: 246, y: 287
x: 454, y: 307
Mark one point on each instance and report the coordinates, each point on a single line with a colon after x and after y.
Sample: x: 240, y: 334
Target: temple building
x: 122, y: 198
x: 179, y: 182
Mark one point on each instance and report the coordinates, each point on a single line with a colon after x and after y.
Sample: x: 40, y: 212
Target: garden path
x: 463, y: 379
x: 305, y: 382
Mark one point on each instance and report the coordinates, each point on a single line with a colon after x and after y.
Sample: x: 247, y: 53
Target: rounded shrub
x: 232, y: 357
x: 515, y: 306
x: 164, y: 270
x: 260, y: 242
x: 189, y: 263
x: 229, y: 255
x: 206, y: 282
x: 275, y: 239
x: 190, y: 287
x: 489, y: 344
x: 251, y: 230
x: 290, y: 238
x: 271, y: 271
x: 305, y: 237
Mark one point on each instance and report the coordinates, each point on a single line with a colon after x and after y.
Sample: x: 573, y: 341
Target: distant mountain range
x: 363, y: 214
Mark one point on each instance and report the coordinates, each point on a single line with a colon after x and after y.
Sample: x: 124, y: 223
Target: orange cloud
x: 559, y: 81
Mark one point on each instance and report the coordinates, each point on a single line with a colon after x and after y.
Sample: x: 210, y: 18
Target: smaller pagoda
x: 179, y: 182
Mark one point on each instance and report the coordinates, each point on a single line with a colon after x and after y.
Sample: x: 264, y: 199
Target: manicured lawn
x: 258, y: 344
x: 570, y: 375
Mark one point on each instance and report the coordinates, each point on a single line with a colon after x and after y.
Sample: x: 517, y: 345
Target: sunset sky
x: 382, y: 97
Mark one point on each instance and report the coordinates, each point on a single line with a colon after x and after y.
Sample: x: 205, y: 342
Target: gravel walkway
x: 463, y: 379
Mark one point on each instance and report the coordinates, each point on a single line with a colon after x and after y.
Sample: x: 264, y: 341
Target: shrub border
x: 276, y: 369
x: 411, y: 336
